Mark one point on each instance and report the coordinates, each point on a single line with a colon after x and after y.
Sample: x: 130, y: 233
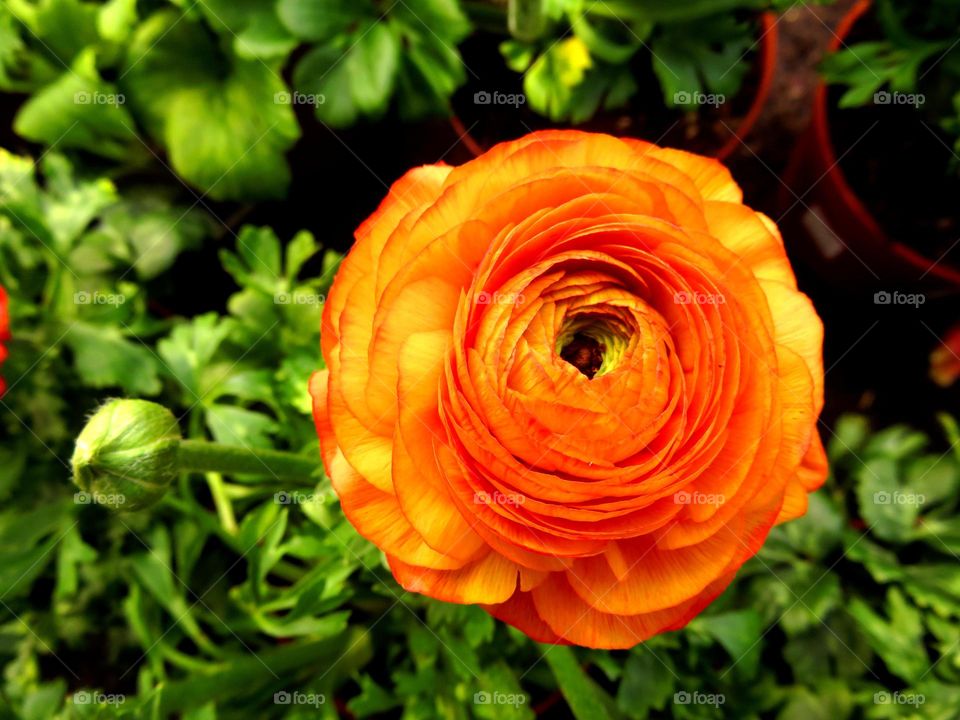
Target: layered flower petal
x: 572, y: 381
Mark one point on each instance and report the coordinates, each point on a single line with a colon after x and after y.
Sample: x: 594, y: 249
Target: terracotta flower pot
x: 830, y: 225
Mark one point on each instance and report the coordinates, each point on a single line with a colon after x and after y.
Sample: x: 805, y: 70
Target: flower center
x: 584, y: 353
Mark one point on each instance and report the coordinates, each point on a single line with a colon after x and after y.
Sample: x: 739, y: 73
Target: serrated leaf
x: 223, y: 119
x: 889, y: 511
x: 899, y: 640
x: 81, y: 111
x: 104, y: 357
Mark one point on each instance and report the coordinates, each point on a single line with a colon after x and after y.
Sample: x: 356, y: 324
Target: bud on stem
x: 126, y: 456
x: 132, y: 450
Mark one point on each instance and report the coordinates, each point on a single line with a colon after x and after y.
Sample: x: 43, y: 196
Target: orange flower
x: 4, y: 333
x: 572, y: 381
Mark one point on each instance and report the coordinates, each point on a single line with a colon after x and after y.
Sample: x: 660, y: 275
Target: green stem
x: 222, y: 502
x: 246, y: 677
x: 525, y: 19
x: 203, y: 456
x: 282, y: 569
x: 242, y: 492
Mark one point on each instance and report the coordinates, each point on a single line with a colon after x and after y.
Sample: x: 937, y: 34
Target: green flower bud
x: 126, y: 456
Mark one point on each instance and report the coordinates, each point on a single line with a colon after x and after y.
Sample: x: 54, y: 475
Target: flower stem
x: 207, y: 457
x: 220, y: 500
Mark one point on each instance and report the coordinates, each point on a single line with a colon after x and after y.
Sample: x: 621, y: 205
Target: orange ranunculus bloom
x: 572, y: 381
x: 4, y: 333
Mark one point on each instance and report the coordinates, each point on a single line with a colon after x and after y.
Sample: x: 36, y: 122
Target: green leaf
x: 116, y: 20
x: 934, y: 586
x: 586, y: 699
x: 247, y: 676
x: 372, y: 67
x: 444, y: 19
x: 612, y: 42
x: 44, y: 702
x: 224, y: 120
x: 518, y: 56
x: 253, y: 26
x: 72, y: 553
x: 352, y: 78
x: 71, y: 204
x: 881, y: 563
x: 848, y: 437
x: 898, y: 641
x: 895, y: 443
x: 229, y: 138
x: 889, y: 510
x: 27, y: 541
x: 933, y: 479
x: 190, y: 349
x: 260, y: 250
x: 300, y: 249
x: 648, y: 683
x: 498, y: 684
x: 699, y: 58
x: 238, y: 426
x: 817, y: 594
x: 739, y: 633
x: 146, y: 232
x: 154, y: 572
x: 431, y: 69
x: 12, y: 50
x: 104, y: 357
x: 66, y: 27
x: 372, y: 699
x: 830, y: 701
x: 264, y: 38
x: 550, y: 82
x: 820, y: 530
x: 80, y: 111
x: 310, y: 20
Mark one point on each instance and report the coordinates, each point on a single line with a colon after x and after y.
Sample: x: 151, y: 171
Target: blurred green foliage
x: 211, y: 88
